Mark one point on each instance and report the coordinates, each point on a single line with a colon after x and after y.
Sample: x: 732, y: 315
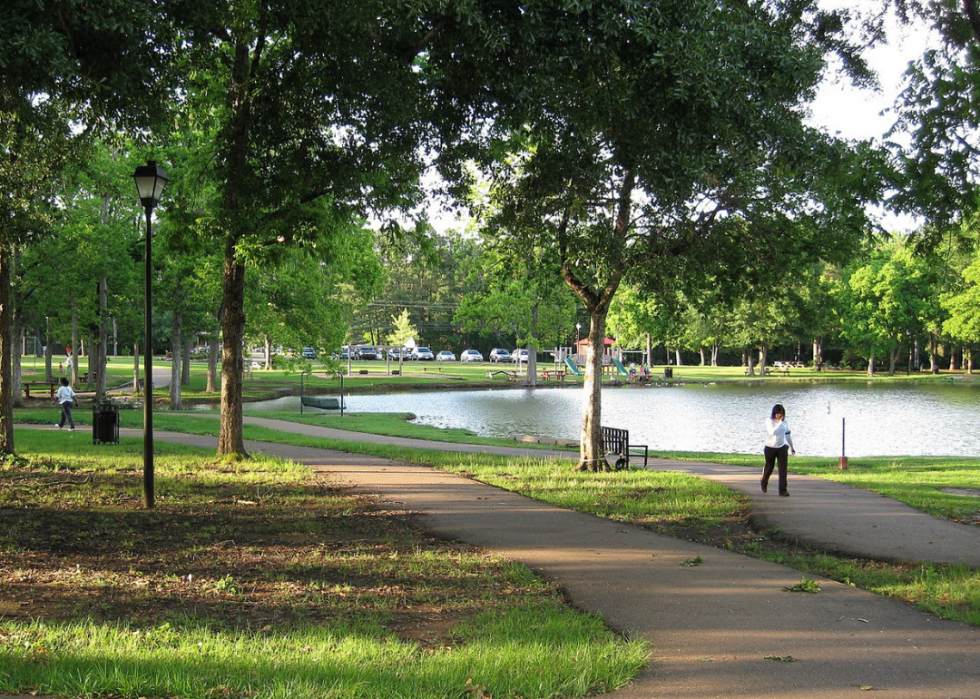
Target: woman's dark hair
x: 64, y: 380
x: 778, y: 409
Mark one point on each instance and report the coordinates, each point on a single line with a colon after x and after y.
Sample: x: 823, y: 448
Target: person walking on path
x: 66, y: 398
x: 778, y: 445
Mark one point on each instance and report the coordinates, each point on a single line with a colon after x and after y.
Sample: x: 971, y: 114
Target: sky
x: 854, y: 113
x: 865, y: 114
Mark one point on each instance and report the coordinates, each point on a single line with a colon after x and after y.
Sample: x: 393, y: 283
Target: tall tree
x: 963, y: 309
x: 65, y: 61
x: 318, y: 121
x: 653, y: 152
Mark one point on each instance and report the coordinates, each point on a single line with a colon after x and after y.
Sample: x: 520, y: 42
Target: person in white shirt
x: 66, y: 399
x: 778, y: 445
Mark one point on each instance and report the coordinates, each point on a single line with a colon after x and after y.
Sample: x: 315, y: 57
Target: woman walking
x: 778, y: 445
x: 65, y: 399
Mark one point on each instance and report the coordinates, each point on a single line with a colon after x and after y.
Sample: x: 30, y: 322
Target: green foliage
x: 403, y: 330
x: 805, y: 585
x: 885, y: 300
x: 963, y: 307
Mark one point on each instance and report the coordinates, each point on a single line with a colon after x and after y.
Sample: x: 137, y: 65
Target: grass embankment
x: 260, y: 578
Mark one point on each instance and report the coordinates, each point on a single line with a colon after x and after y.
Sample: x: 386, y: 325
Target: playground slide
x: 572, y: 368
x: 619, y: 365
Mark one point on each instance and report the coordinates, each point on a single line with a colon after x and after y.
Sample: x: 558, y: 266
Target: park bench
x: 511, y: 375
x: 52, y: 386
x: 321, y: 402
x: 617, y: 441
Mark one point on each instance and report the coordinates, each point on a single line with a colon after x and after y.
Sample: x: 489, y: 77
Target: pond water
x: 880, y: 420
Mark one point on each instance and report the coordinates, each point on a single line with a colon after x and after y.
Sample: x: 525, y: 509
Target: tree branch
x: 973, y: 14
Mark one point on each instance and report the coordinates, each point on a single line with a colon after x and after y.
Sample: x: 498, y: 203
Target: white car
x: 422, y: 354
x: 520, y: 355
x: 471, y: 355
x: 446, y: 356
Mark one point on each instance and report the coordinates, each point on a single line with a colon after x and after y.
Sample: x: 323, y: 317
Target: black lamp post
x: 150, y: 182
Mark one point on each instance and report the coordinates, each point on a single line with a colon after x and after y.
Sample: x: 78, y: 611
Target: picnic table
x: 549, y: 374
x: 52, y: 386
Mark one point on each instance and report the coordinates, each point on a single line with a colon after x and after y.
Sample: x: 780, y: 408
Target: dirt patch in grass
x: 224, y: 550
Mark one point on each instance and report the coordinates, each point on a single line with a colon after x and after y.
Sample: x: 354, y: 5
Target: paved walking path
x: 723, y: 628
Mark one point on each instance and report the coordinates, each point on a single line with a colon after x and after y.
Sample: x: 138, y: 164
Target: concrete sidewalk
x: 723, y: 628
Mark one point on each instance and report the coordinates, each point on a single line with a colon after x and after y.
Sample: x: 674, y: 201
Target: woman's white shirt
x: 777, y: 434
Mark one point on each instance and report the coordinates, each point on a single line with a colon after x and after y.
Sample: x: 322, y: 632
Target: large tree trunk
x: 893, y: 359
x: 75, y: 354
x: 230, y: 434
x: 871, y: 366
x: 591, y: 456
x: 136, y: 368
x: 6, y: 351
x: 763, y: 359
x: 48, y: 352
x: 212, y: 384
x: 933, y: 354
x: 17, y: 332
x: 176, y: 344
x: 267, y: 343
x: 185, y: 362
x: 532, y: 351
x: 747, y: 361
x: 101, y: 343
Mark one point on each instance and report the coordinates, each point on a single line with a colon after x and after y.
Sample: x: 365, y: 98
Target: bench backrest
x: 615, y: 440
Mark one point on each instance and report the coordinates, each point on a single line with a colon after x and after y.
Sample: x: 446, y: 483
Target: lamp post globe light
x: 150, y: 180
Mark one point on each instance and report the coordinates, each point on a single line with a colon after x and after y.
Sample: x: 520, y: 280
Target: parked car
x: 396, y: 353
x: 309, y: 353
x: 471, y: 355
x: 499, y: 354
x: 366, y: 352
x: 520, y: 355
x: 423, y: 354
x: 446, y: 356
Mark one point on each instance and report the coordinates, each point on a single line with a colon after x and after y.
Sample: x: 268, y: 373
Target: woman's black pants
x: 772, y: 456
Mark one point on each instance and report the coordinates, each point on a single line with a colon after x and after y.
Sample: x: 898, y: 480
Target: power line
x: 423, y: 306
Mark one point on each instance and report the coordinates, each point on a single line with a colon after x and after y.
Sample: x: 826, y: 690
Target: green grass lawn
x: 261, y: 578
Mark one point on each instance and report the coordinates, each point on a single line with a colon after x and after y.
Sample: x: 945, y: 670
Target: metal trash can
x: 105, y: 423
x: 668, y: 372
